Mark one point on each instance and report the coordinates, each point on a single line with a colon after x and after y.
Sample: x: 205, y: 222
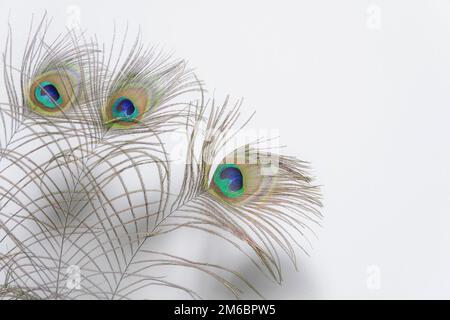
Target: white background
x: 358, y: 88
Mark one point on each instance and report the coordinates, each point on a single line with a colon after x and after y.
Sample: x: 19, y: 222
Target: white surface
x: 366, y: 100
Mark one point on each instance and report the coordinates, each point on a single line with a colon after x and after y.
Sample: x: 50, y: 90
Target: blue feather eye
x: 124, y: 110
x: 239, y: 181
x: 126, y: 107
x: 47, y: 94
x: 53, y: 92
x: 228, y: 178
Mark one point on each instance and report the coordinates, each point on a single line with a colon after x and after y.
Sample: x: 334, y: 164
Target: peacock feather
x: 91, y: 206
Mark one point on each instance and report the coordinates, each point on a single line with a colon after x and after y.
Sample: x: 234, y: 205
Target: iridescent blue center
x: 47, y: 94
x: 124, y: 109
x: 229, y: 179
x: 234, y: 175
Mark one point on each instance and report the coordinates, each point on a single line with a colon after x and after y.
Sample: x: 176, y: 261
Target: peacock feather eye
x: 126, y: 107
x: 53, y: 92
x: 229, y: 180
x: 48, y: 94
x: 240, y: 180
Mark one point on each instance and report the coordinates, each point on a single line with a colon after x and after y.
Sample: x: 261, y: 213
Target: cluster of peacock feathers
x: 92, y: 205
